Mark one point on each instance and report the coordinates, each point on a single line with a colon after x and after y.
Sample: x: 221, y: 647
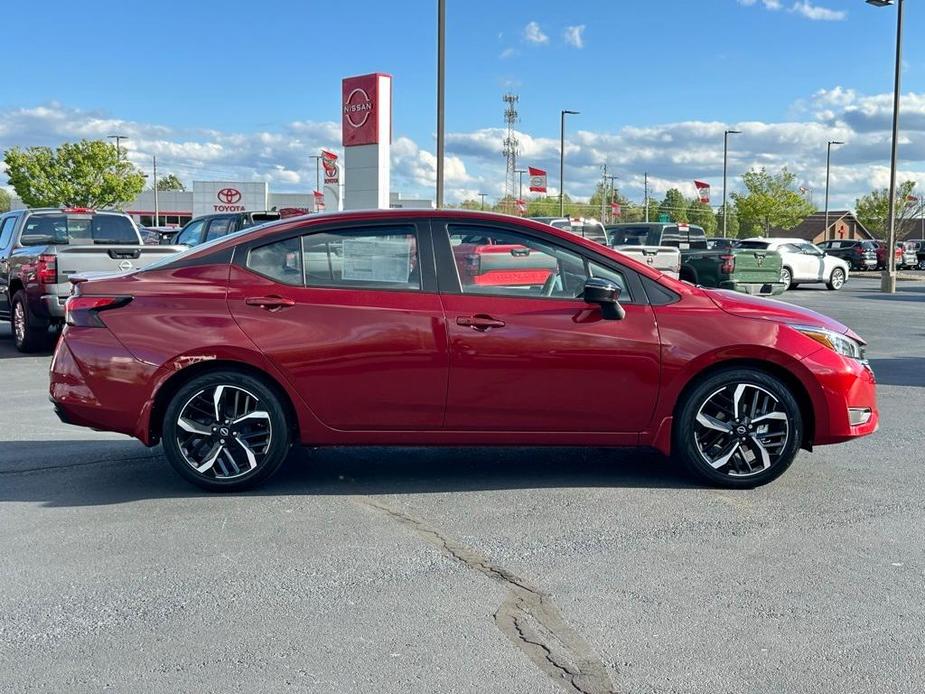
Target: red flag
x: 331, y: 170
x: 319, y: 201
x: 911, y: 198
x: 615, y: 209
x: 521, y: 206
x: 537, y: 180
x: 703, y: 190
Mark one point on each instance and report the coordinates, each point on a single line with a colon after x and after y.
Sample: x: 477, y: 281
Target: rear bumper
x: 754, y: 288
x: 53, y: 306
x: 95, y: 382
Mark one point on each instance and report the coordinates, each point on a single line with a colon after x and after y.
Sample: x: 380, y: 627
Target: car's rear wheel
x: 836, y: 279
x: 738, y: 428
x: 29, y: 335
x: 786, y: 277
x: 921, y: 265
x: 226, y: 431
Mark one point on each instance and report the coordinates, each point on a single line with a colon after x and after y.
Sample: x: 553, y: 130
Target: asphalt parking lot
x: 461, y: 570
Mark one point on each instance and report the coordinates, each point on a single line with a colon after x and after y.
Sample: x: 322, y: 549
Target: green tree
x: 470, y: 205
x: 89, y: 173
x: 4, y: 200
x: 873, y: 209
x: 732, y: 223
x: 771, y: 201
x: 170, y: 182
x: 701, y: 214
x: 675, y: 205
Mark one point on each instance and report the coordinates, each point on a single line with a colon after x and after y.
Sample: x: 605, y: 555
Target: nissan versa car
x: 447, y: 328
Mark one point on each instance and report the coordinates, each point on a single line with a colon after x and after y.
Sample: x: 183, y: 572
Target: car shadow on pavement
x: 899, y: 371
x: 8, y: 349
x: 127, y: 471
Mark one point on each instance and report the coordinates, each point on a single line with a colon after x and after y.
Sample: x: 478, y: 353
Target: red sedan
x: 447, y: 328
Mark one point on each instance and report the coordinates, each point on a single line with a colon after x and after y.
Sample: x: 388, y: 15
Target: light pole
x: 520, y: 186
x: 888, y: 279
x: 646, y: 193
x: 483, y: 196
x: 317, y: 158
x: 562, y: 116
x: 441, y: 89
x: 118, y: 139
x: 725, y: 162
x: 157, y: 211
x: 828, y: 166
x: 612, y: 179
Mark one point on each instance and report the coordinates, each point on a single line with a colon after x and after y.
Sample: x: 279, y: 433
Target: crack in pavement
x: 527, y: 617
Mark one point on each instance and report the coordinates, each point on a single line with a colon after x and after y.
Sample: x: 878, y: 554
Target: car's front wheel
x: 738, y: 428
x: 836, y: 279
x: 226, y: 431
x: 921, y: 264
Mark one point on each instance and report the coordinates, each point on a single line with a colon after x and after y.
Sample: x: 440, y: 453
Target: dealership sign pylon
x: 366, y: 130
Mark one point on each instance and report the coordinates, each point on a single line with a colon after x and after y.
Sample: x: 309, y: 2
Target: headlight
x: 837, y: 342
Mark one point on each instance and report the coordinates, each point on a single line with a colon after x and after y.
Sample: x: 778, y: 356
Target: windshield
x: 179, y: 255
x: 80, y: 229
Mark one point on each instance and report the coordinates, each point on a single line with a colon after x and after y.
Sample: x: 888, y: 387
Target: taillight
x: 46, y: 269
x: 729, y: 264
x: 83, y: 311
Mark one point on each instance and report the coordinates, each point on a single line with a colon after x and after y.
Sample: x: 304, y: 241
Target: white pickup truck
x: 634, y: 241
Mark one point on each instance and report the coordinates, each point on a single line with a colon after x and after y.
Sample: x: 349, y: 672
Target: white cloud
x: 534, y: 34
x: 804, y: 8
x: 818, y: 13
x: 507, y: 53
x: 574, y: 36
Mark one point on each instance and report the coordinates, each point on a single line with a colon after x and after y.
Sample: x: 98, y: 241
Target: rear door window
x: 218, y: 227
x: 6, y: 231
x: 363, y: 258
x: 192, y: 234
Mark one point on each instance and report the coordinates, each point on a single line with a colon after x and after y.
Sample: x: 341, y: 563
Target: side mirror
x: 605, y: 294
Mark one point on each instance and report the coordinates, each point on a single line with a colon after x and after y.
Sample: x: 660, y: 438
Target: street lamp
x: 118, y: 139
x: 828, y: 166
x: 888, y: 279
x: 520, y: 188
x: 483, y: 196
x: 726, y: 135
x: 562, y: 116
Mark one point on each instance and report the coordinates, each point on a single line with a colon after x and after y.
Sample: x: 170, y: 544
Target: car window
x: 363, y: 258
x: 219, y: 227
x: 809, y: 248
x: 507, y: 263
x: 6, y: 231
x: 761, y: 245
x: 191, y: 234
x: 280, y: 261
x: 629, y: 236
x: 82, y: 228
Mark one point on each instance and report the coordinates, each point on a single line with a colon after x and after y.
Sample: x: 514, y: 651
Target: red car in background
x: 447, y: 328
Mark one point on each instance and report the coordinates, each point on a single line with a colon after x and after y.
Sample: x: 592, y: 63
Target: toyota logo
x: 229, y: 196
x: 356, y: 103
x: 125, y: 265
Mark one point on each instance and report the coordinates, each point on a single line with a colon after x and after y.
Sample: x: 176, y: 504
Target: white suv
x: 802, y: 262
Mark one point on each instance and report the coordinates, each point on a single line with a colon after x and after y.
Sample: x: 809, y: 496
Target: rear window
x: 629, y: 236
x: 80, y: 229
x: 753, y: 244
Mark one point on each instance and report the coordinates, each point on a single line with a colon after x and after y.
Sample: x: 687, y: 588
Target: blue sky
x: 244, y: 88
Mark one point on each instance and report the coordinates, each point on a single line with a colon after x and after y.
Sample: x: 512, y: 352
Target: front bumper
x: 754, y: 288
x: 849, y: 390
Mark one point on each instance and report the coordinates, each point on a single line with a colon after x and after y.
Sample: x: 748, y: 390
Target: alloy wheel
x: 837, y: 279
x: 741, y: 430
x: 224, y: 432
x: 786, y: 277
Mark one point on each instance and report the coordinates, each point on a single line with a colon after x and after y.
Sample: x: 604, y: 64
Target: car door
x: 812, y: 262
x: 525, y: 353
x: 350, y: 314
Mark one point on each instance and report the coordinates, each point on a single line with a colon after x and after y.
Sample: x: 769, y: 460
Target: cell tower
x: 511, y: 145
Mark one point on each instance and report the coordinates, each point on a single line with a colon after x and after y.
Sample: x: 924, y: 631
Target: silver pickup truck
x: 41, y: 248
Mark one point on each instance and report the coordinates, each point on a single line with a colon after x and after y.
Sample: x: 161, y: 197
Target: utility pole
x: 603, y: 188
x: 118, y: 139
x: 828, y: 166
x: 317, y: 158
x: 157, y: 209
x: 725, y: 160
x: 646, y: 188
x: 483, y: 196
x: 511, y: 144
x: 612, y: 179
x: 441, y: 91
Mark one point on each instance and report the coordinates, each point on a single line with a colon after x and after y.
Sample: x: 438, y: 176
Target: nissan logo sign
x: 357, y: 107
x: 125, y: 265
x: 229, y: 196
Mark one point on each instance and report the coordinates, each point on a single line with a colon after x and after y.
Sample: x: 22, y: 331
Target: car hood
x: 770, y: 309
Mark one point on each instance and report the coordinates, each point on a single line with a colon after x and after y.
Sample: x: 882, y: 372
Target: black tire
x: 836, y: 279
x: 694, y: 443
x: 921, y: 265
x: 268, y: 436
x: 29, y: 333
x: 786, y: 276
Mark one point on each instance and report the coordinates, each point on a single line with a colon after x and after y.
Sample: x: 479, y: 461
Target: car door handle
x: 479, y: 322
x: 270, y: 303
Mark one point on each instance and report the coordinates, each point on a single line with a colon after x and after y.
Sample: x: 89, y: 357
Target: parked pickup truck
x: 633, y: 240
x: 751, y: 271
x: 41, y: 248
